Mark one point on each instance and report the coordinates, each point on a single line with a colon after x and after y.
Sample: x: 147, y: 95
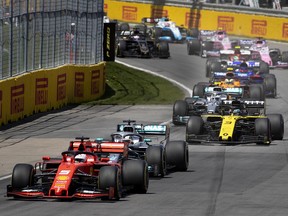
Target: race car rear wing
x: 234, y: 90
x: 245, y: 43
x: 207, y: 32
x: 154, y: 20
x: 153, y: 129
x: 252, y: 107
x: 237, y: 75
x: 110, y: 147
x: 247, y: 103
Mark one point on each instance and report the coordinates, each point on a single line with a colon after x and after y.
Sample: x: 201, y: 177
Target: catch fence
x: 36, y: 34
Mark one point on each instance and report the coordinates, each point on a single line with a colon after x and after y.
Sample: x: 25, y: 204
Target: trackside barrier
x: 235, y: 23
x: 49, y: 89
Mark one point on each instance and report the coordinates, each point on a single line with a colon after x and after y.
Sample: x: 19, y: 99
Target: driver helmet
x: 80, y: 158
x: 136, y: 31
x: 236, y: 57
x: 117, y: 138
x: 243, y: 67
x: 220, y: 35
x: 135, y: 34
x: 259, y: 43
x: 236, y: 111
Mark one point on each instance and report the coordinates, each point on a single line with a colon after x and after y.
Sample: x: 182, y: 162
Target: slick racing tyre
x: 264, y: 68
x: 177, y: 155
x: 22, y: 176
x: 124, y: 27
x: 277, y: 126
x: 209, y: 62
x: 285, y: 56
x: 193, y: 46
x: 109, y: 176
x: 194, y: 32
x: 263, y: 128
x: 275, y: 55
x: 135, y: 173
x: 180, y: 108
x: 271, y: 85
x: 163, y: 49
x: 214, y: 67
x: 189, y: 48
x: 157, y: 33
x: 155, y: 156
x: 256, y: 92
x: 198, y: 89
x: 121, y: 47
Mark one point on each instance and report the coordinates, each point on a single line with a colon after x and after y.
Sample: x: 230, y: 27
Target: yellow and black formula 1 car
x: 240, y: 122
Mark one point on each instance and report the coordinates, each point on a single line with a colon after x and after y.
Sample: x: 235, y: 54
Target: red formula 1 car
x: 87, y: 170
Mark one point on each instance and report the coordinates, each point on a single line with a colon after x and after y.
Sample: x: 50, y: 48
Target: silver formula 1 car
x: 151, y: 143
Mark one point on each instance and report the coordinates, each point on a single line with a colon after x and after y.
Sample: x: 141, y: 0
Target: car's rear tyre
x: 277, y: 126
x: 135, y: 173
x: 285, y: 56
x: 121, y: 47
x: 256, y: 92
x: 177, y: 155
x: 215, y: 67
x: 194, y: 32
x: 271, y: 84
x: 163, y: 49
x: 189, y: 48
x: 264, y: 68
x: 155, y: 156
x: 109, y: 176
x: 157, y: 33
x: 262, y: 128
x: 124, y: 27
x: 275, y: 55
x: 22, y: 176
x: 180, y: 108
x: 209, y: 62
x: 198, y: 90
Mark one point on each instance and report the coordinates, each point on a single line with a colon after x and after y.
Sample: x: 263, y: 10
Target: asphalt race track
x: 221, y: 180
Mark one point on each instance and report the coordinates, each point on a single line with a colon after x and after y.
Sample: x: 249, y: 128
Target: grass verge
x: 125, y: 86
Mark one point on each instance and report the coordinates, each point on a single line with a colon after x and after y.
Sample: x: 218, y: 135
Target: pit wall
x: 49, y: 89
x: 235, y: 23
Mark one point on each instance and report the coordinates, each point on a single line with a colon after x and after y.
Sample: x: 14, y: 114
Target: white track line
x: 5, y: 177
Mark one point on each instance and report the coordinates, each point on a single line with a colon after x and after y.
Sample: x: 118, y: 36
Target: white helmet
x: 80, y: 158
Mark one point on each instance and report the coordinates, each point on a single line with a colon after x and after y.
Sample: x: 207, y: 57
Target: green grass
x: 127, y: 86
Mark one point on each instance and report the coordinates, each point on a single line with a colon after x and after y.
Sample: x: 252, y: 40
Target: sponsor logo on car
x: 64, y: 172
